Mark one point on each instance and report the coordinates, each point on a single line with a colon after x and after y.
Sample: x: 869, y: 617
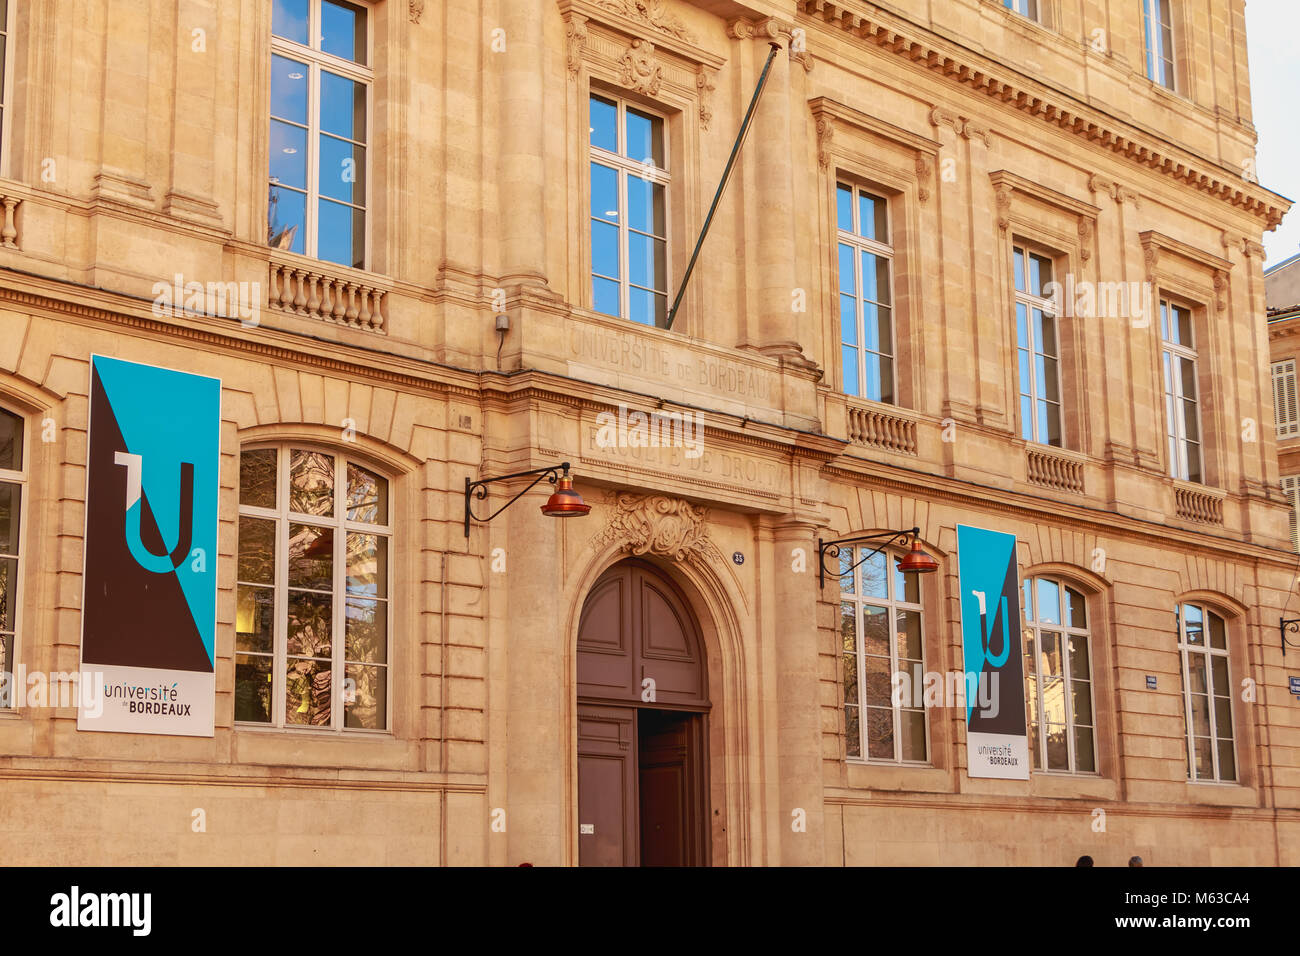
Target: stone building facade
x: 846, y: 361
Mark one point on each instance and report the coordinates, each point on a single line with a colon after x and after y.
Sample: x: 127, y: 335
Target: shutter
x: 1285, y: 411
x: 1291, y: 488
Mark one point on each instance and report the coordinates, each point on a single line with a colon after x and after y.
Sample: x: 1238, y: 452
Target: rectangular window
x: 320, y: 95
x: 312, y: 592
x: 881, y: 635
x: 1058, y: 678
x: 6, y: 71
x: 1182, y: 401
x: 1026, y: 8
x: 1291, y: 489
x: 1284, y: 399
x: 1207, y: 693
x: 866, y: 294
x: 629, y: 212
x: 1158, y: 34
x: 1038, y: 350
x: 12, y: 483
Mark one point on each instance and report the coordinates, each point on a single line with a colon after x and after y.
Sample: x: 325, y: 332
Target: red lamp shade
x: 917, y: 560
x: 565, y: 502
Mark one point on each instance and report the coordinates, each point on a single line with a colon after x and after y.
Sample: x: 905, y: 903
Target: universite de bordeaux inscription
x: 740, y: 470
x: 623, y: 351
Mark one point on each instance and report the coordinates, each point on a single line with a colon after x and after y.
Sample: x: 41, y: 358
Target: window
x: 1038, y: 350
x: 1158, y: 33
x: 11, y: 511
x: 1284, y: 399
x: 1182, y: 414
x: 629, y: 217
x: 1291, y: 489
x: 1026, y: 8
x: 312, y: 603
x: 320, y: 91
x: 6, y: 71
x: 1058, y: 677
x: 1207, y: 693
x: 866, y: 294
x: 881, y: 635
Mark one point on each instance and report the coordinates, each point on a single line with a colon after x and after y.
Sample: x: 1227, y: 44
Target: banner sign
x: 997, y: 744
x: 149, y: 607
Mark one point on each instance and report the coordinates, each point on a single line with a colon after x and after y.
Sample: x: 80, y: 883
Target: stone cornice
x: 1058, y: 109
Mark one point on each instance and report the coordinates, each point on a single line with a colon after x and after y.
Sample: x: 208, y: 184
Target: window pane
x: 911, y: 732
x: 343, y: 31
x: 367, y: 496
x: 311, y: 624
x: 604, y: 124
x: 311, y: 483
x: 846, y: 570
x: 604, y: 193
x: 645, y: 138
x: 342, y: 170
x: 254, y: 619
x: 848, y: 628
x: 1079, y: 668
x: 1052, y: 690
x: 289, y: 89
x: 286, y: 220
x: 1196, y: 664
x: 648, y: 308
x: 1084, y: 757
x: 1192, y: 624
x: 1227, y: 770
x: 253, y: 688
x: 289, y: 20
x: 1223, y: 716
x: 873, y: 575
x: 645, y: 206
x: 852, y: 732
x: 311, y: 557
x: 10, y: 517
x: 256, y: 550
x: 1219, y: 668
x: 875, y: 631
x: 1081, y: 701
x: 880, y: 733
x: 1183, y: 323
x: 8, y: 594
x: 1026, y: 416
x: 848, y: 320
x: 647, y: 261
x: 1040, y: 273
x: 307, y: 693
x: 1204, y: 758
x: 1019, y: 259
x: 1036, y: 746
x: 1022, y: 337
x: 848, y: 275
x: 604, y: 252
x: 11, y: 440
x: 849, y: 668
x: 907, y: 586
x: 1218, y: 636
x: 341, y: 234
x: 1058, y: 747
x: 1076, y: 612
x: 342, y: 106
x: 257, y: 477
x: 844, y: 207
x: 365, y: 702
x: 1200, y: 715
x: 366, y: 640
x: 288, y: 155
x: 367, y: 565
x: 877, y: 676
x: 1045, y: 330
x: 604, y: 295
x: 878, y: 378
x: 849, y: 364
x: 875, y: 278
x: 908, y: 635
x: 872, y: 218
x: 1049, y: 602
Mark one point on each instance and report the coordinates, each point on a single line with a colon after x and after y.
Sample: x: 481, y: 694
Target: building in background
x: 981, y: 263
x: 1282, y: 301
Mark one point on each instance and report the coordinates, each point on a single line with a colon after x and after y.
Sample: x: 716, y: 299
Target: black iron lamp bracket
x: 1288, y: 626
x: 831, y: 549
x: 477, y: 490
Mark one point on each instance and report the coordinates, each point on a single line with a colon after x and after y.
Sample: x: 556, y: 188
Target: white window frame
x: 1291, y: 489
x: 1152, y: 25
x: 316, y: 59
x: 7, y: 90
x: 1064, y: 633
x: 624, y: 166
x: 18, y: 477
x: 1286, y: 418
x: 893, y: 604
x: 1178, y: 441
x: 1030, y: 9
x: 884, y: 250
x: 1184, y: 650
x: 1031, y: 301
x: 340, y: 524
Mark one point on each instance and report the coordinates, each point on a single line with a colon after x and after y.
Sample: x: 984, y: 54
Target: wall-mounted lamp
x: 1284, y: 625
x: 565, y: 502
x: 915, y: 560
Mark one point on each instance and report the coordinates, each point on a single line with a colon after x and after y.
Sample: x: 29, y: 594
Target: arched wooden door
x: 642, y: 705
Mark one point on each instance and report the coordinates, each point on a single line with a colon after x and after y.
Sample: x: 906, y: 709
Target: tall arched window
x: 12, y: 484
x: 1058, y: 677
x: 882, y: 636
x: 312, y: 620
x: 1207, y: 693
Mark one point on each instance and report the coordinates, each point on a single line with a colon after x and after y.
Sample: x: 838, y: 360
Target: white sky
x: 1271, y: 34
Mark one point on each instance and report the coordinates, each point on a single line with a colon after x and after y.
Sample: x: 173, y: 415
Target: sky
x: 1271, y: 29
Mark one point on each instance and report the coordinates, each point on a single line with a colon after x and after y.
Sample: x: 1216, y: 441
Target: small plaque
x: 586, y: 828
x: 1295, y: 685
x: 1151, y: 682
x: 737, y: 557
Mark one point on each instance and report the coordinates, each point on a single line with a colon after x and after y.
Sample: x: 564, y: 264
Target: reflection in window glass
x: 1207, y: 693
x: 1058, y: 677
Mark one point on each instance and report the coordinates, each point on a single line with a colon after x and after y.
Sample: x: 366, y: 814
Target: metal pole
x: 726, y: 174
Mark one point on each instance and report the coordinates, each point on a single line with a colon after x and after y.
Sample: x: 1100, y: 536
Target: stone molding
x: 659, y: 526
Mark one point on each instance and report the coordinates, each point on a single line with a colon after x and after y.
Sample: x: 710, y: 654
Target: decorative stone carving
x: 653, y: 13
x: 825, y: 133
x: 415, y: 10
x: 942, y: 117
x: 639, y: 70
x: 705, y: 87
x: 659, y: 525
x: 575, y: 41
x: 9, y: 232
x: 1252, y: 248
x: 1085, y: 238
x: 740, y: 29
x: 1099, y: 184
x: 1151, y: 256
x: 924, y: 170
x: 1002, y: 194
x: 1220, y: 289
x: 973, y: 130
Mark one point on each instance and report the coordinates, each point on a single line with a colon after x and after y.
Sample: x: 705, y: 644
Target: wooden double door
x: 642, y: 724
